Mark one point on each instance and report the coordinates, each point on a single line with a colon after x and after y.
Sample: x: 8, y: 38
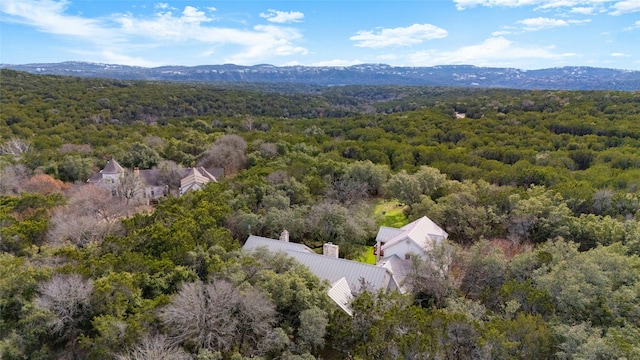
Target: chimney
x: 136, y: 171
x: 329, y: 249
x: 284, y: 236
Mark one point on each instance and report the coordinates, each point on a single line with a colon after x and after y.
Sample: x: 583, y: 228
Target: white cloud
x: 496, y: 51
x: 618, y: 55
x: 552, y: 4
x: 500, y: 33
x: 636, y: 25
x: 263, y: 42
x: 583, y: 10
x: 465, y: 4
x: 624, y: 7
x: 118, y: 37
x: 540, y: 23
x: 193, y: 15
x: 47, y: 16
x: 110, y: 57
x: 616, y: 7
x: 282, y: 17
x: 406, y: 36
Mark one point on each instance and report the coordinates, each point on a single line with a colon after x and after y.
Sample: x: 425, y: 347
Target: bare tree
x: 256, y: 318
x: 202, y: 314
x: 15, y: 146
x: 11, y: 178
x: 130, y: 186
x: 216, y: 316
x: 78, y: 230
x: 277, y: 177
x: 67, y: 298
x: 157, y: 348
x: 227, y: 152
x: 249, y: 123
x: 97, y: 202
x: 268, y: 149
x: 91, y: 214
x: 169, y: 173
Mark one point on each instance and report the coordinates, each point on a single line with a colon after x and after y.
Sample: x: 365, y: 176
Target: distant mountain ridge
x: 565, y: 78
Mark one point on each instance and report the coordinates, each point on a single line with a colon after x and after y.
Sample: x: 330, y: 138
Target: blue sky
x: 525, y: 34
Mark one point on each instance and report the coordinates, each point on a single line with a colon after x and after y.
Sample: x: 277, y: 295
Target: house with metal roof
x: 154, y: 186
x: 345, y: 276
x: 111, y: 173
x: 195, y: 179
x: 394, y: 251
x: 416, y: 238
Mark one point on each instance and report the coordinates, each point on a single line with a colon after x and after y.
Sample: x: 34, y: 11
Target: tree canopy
x: 538, y: 190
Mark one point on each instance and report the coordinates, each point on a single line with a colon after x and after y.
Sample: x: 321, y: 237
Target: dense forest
x: 538, y: 190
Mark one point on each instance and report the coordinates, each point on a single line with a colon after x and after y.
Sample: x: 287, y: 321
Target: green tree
x: 141, y: 156
x: 541, y: 216
x: 404, y: 187
x: 483, y: 271
x: 75, y: 168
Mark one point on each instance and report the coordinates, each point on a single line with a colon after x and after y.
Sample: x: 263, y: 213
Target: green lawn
x: 368, y: 257
x: 390, y: 214
x: 386, y: 213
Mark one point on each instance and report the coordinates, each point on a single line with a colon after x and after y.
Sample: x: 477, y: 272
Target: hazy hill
x: 565, y: 78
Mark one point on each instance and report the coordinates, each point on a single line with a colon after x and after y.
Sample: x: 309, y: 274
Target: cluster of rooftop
x: 395, y: 249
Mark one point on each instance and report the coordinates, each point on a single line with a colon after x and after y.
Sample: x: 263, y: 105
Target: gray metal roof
x: 341, y: 294
x: 422, y: 231
x: 387, y: 233
x: 332, y: 269
x: 254, y: 242
x: 326, y: 267
x: 112, y: 167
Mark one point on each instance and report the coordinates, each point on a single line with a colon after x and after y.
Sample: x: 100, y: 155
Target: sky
x: 523, y: 34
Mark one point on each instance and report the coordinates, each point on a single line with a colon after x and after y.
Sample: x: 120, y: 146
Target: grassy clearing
x: 386, y: 213
x: 368, y: 257
x: 390, y: 213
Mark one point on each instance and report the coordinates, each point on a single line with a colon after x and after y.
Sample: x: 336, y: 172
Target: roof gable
x: 194, y: 178
x: 112, y: 167
x: 422, y: 232
x: 341, y: 294
x: 206, y: 173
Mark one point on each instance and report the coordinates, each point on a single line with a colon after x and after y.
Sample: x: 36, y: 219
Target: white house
x: 109, y: 176
x: 417, y: 238
x: 195, y: 179
x: 346, y: 276
x: 153, y: 187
